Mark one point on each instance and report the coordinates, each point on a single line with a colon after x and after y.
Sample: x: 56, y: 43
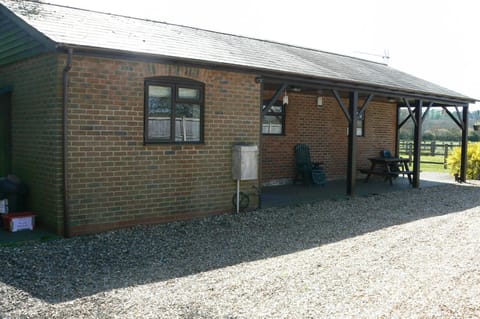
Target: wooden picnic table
x: 390, y: 167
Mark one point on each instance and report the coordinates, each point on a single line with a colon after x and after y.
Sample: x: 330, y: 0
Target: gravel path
x: 409, y: 254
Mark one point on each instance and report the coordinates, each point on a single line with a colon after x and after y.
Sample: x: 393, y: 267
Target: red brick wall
x: 116, y: 180
x: 325, y: 131
x: 37, y: 133
x: 380, y: 132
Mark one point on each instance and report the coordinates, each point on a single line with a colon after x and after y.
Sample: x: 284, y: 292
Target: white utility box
x: 245, y: 162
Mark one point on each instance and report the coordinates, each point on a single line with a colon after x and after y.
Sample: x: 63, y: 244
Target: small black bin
x: 12, y: 189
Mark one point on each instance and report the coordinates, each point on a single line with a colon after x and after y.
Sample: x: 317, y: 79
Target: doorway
x: 5, y: 134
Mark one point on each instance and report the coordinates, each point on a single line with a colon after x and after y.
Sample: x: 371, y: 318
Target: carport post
x: 417, y: 144
x: 463, y: 164
x: 352, y: 142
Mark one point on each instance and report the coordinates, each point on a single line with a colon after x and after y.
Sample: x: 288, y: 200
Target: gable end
x: 16, y: 43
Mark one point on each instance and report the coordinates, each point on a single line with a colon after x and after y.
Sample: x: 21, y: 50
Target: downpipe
x: 66, y: 206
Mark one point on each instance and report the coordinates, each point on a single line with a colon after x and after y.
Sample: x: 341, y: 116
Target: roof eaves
x: 389, y: 91
x: 267, y: 73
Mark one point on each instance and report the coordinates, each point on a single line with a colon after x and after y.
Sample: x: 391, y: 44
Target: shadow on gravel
x: 68, y: 269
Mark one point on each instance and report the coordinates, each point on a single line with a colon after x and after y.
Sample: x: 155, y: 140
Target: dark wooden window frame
x: 361, y: 124
x: 271, y: 113
x: 174, y: 83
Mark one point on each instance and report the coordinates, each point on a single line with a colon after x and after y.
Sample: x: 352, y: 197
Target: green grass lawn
x: 428, y: 167
x: 439, y: 158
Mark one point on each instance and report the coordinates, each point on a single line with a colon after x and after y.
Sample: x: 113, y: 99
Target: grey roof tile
x: 79, y: 27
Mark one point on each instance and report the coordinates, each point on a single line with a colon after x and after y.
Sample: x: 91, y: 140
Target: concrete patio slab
x: 274, y: 196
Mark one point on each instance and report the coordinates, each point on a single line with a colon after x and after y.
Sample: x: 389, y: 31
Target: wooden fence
x: 431, y: 148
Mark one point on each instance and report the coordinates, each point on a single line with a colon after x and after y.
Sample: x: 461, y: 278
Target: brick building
x: 115, y: 121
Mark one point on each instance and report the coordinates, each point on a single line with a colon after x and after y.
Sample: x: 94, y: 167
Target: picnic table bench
x: 389, y: 167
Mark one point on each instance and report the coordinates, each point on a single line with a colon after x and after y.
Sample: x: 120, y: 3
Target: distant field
x: 439, y: 157
x: 428, y: 167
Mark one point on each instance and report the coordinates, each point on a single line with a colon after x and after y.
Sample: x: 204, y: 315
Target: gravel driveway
x: 408, y: 254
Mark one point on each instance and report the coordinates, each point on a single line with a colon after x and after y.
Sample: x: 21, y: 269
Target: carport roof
x: 60, y: 27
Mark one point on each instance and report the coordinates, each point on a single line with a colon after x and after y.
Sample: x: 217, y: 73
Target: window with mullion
x: 173, y: 111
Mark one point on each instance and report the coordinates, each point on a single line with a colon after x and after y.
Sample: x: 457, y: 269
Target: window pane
x: 187, y: 122
x: 359, y: 127
x: 159, y: 100
x: 159, y: 128
x: 272, y: 124
x: 164, y: 91
x: 191, y: 94
x: 159, y: 111
x: 275, y: 109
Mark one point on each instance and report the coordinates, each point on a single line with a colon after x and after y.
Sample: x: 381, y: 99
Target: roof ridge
x: 211, y: 31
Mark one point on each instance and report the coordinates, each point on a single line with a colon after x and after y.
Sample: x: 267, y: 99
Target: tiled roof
x: 90, y: 29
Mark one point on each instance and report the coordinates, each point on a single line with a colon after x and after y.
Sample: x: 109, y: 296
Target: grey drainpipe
x: 66, y: 207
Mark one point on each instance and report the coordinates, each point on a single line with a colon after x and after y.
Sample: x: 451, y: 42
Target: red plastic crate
x: 19, y: 221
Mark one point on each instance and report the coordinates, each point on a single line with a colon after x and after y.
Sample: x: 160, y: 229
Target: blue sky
x: 434, y: 40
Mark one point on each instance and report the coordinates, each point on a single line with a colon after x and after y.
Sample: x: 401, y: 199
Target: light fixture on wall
x: 319, y: 101
x: 285, y: 98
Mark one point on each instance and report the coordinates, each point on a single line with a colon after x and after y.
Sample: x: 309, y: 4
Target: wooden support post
x: 456, y: 119
x: 397, y: 133
x: 463, y: 166
x: 426, y: 111
x: 342, y: 106
x: 417, y: 144
x: 352, y: 142
x: 445, y: 155
x: 366, y: 104
x: 412, y: 113
x: 260, y: 145
x: 274, y: 99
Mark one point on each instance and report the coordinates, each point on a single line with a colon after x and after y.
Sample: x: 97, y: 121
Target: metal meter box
x: 245, y: 162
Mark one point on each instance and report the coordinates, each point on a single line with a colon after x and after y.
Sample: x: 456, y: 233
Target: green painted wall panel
x: 15, y: 43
